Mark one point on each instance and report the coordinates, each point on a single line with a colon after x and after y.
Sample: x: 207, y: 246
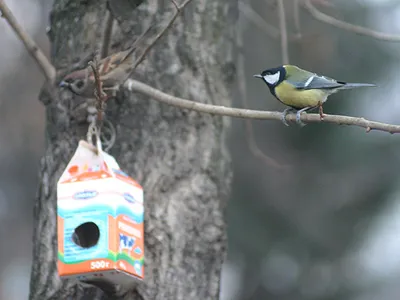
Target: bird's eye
x: 79, y: 84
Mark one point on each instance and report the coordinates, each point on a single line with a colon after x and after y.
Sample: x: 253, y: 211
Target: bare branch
x: 137, y: 86
x: 146, y: 51
x: 320, y: 16
x: 251, y: 141
x: 47, y: 68
x: 257, y: 152
x: 100, y: 95
x: 325, y: 3
x: 257, y: 20
x: 175, y: 4
x: 106, y: 38
x: 252, y: 16
x: 296, y: 17
x: 283, y: 31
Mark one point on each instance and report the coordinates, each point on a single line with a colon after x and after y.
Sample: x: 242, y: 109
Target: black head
x: 272, y: 77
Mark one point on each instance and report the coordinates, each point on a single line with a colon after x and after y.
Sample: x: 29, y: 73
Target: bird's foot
x: 284, y: 114
x: 321, y: 112
x: 298, y: 116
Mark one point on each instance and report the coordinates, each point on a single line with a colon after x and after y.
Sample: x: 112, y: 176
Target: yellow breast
x: 288, y: 95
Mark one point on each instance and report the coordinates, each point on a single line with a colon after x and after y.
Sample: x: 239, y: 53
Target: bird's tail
x: 356, y: 85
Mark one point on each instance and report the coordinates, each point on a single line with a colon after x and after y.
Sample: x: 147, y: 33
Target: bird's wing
x: 109, y: 63
x: 114, y: 77
x: 112, y: 62
x: 316, y: 82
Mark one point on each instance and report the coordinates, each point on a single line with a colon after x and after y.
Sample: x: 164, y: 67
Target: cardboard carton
x: 100, y: 220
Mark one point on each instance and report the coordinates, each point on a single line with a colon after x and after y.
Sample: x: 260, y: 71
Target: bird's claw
x: 298, y: 121
x: 321, y: 112
x: 283, y: 118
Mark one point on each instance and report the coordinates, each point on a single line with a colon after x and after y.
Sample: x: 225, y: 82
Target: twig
x: 251, y: 141
x: 325, y: 3
x: 283, y: 30
x: 296, y: 17
x: 137, y: 86
x: 100, y: 95
x: 257, y: 20
x: 179, y: 9
x: 96, y: 126
x: 47, y: 68
x: 106, y: 38
x: 320, y: 16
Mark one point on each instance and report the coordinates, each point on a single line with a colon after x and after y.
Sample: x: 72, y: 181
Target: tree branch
x: 296, y: 17
x: 283, y: 30
x: 251, y: 15
x: 320, y: 16
x: 137, y: 86
x: 257, y: 20
x: 179, y: 9
x: 100, y: 95
x: 106, y: 38
x: 47, y: 68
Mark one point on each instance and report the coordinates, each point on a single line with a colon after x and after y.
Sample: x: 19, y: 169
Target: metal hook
x: 108, y: 135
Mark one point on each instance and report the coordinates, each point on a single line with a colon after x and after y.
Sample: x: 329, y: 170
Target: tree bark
x: 179, y: 157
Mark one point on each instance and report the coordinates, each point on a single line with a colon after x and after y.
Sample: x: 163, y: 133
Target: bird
x: 113, y: 71
x: 302, y: 90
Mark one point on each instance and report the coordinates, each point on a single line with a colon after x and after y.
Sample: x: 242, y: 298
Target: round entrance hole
x: 86, y: 235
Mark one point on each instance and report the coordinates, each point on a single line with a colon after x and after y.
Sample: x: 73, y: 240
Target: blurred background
x: 326, y: 227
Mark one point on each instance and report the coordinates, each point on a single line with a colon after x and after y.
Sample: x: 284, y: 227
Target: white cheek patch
x: 272, y: 78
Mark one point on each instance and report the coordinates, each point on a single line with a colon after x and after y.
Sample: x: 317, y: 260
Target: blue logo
x: 85, y: 195
x: 128, y: 197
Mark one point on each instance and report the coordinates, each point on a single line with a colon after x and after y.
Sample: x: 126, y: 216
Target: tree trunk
x: 179, y: 156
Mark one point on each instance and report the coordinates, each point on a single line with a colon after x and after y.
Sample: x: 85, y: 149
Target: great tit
x: 302, y: 90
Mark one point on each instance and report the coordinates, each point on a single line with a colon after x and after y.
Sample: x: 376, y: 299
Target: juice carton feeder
x: 100, y: 220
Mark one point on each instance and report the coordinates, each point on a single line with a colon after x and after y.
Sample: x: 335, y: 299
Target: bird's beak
x: 63, y: 84
x: 257, y: 76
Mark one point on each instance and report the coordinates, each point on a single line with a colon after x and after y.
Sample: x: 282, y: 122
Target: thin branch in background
x: 251, y: 15
x: 46, y: 66
x: 296, y: 17
x: 106, y: 38
x: 179, y: 9
x: 320, y: 16
x: 251, y: 141
x: 257, y: 152
x: 155, y: 94
x: 325, y: 3
x: 257, y: 20
x: 283, y: 31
